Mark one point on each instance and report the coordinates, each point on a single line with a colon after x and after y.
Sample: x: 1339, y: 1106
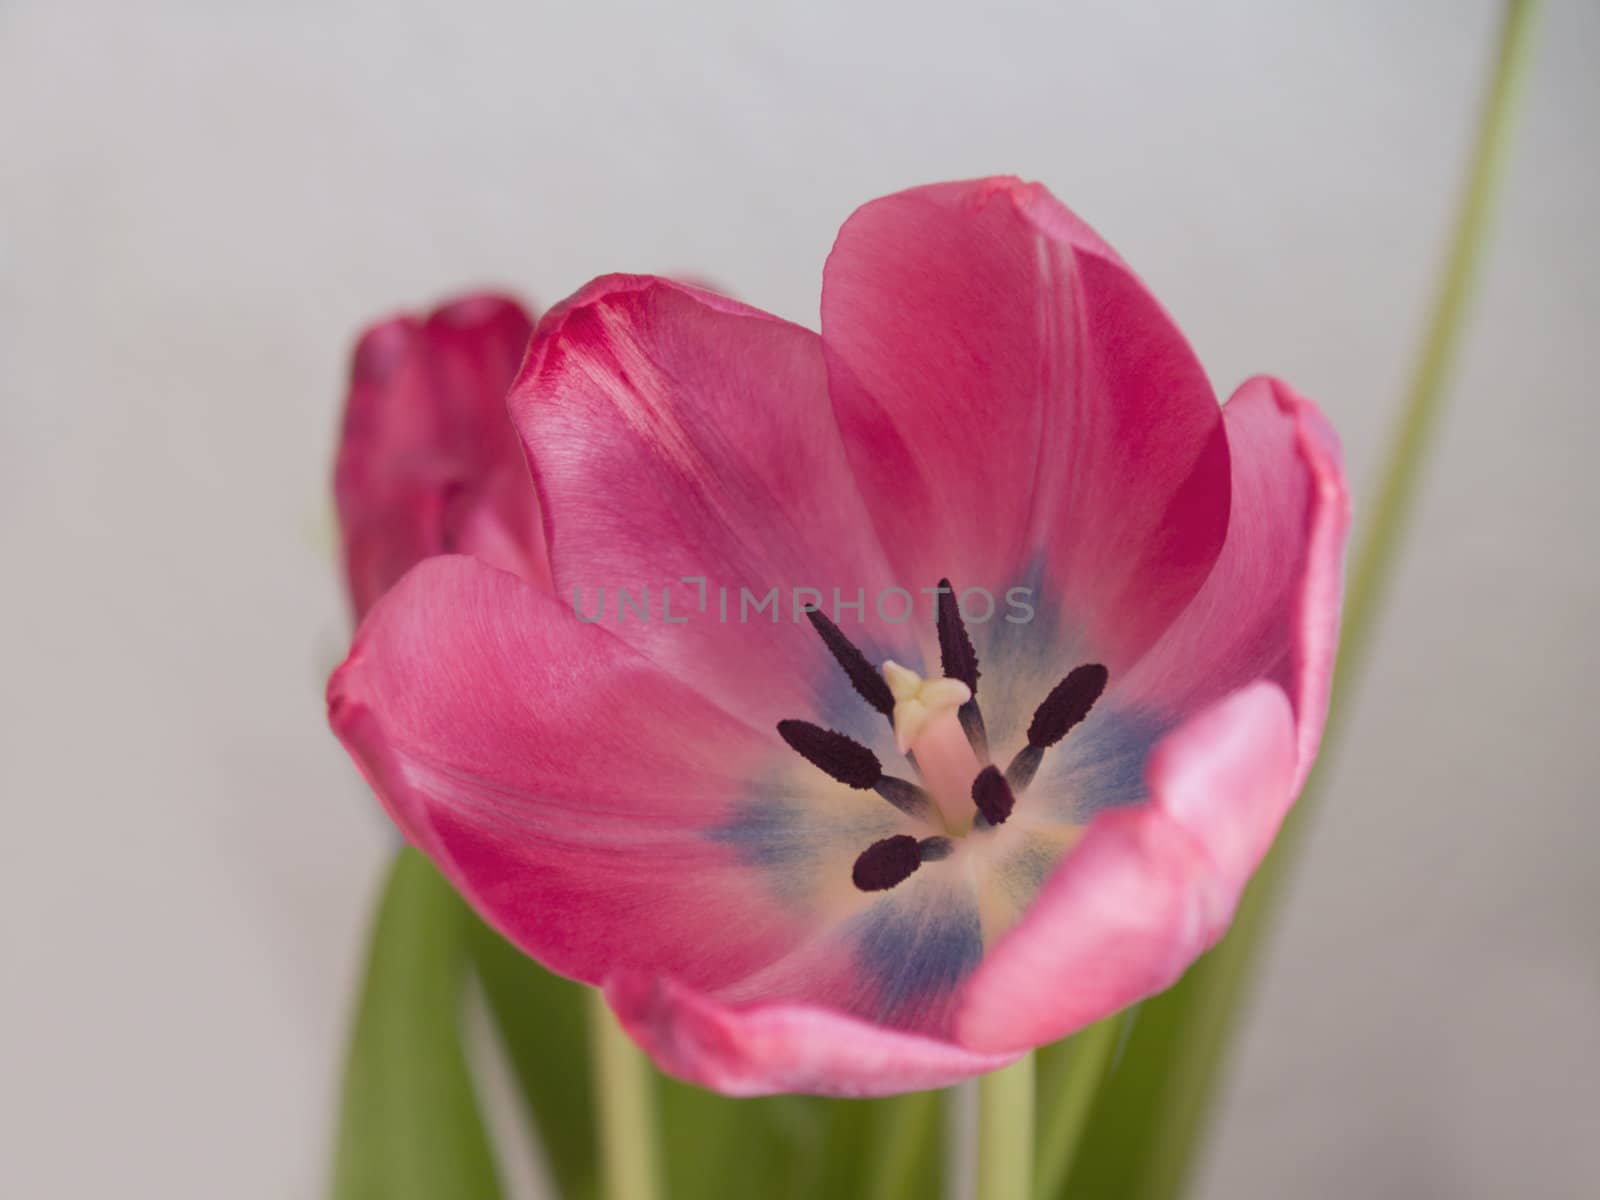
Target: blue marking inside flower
x: 784, y: 836
x: 767, y: 832
x: 916, y: 955
x: 1101, y: 764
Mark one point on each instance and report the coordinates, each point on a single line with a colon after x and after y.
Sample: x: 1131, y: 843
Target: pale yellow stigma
x: 918, y: 701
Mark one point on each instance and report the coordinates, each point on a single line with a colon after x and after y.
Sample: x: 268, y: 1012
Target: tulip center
x: 939, y: 727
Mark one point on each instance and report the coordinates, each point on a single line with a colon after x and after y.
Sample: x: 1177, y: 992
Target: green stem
x: 1066, y: 1097
x: 959, y: 1119
x: 1005, y: 1132
x: 1211, y: 995
x: 625, y: 1110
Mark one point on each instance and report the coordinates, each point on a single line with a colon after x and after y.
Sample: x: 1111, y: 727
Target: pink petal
x: 564, y: 784
x: 1148, y: 888
x: 428, y: 461
x: 1270, y: 608
x: 765, y: 1049
x: 677, y: 434
x: 1014, y: 401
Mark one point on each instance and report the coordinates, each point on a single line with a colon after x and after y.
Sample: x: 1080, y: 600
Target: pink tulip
x: 859, y: 850
x: 428, y: 463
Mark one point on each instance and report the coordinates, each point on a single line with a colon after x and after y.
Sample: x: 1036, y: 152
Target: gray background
x: 200, y: 206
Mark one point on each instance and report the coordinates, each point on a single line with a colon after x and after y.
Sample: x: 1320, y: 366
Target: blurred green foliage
x: 409, y: 1125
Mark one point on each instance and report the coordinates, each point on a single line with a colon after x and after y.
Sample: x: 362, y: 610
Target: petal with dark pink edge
x: 1148, y: 888
x: 677, y: 434
x: 1019, y: 410
x: 428, y: 461
x: 493, y: 513
x: 764, y: 1049
x: 1270, y: 608
x: 388, y: 521
x: 564, y: 784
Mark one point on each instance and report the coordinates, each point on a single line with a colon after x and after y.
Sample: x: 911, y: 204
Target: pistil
x: 927, y: 726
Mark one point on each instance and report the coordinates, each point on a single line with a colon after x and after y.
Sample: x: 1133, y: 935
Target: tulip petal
x: 1148, y: 888
x: 428, y: 462
x: 567, y: 787
x: 1270, y: 608
x: 1019, y: 410
x: 772, y: 1048
x: 684, y: 450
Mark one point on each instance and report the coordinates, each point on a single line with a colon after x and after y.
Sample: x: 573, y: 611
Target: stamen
x: 960, y: 661
x: 1023, y: 767
x: 993, y: 796
x: 863, y: 676
x: 832, y: 753
x: 1067, y: 704
x: 887, y: 862
x: 907, y: 797
x: 854, y: 765
x: 935, y: 848
x: 971, y: 718
x: 955, y: 647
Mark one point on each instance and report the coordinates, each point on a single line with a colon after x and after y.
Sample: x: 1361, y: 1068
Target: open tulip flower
x: 858, y: 710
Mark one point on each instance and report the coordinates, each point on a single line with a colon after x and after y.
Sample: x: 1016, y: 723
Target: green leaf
x: 545, y: 1029
x: 409, y: 1125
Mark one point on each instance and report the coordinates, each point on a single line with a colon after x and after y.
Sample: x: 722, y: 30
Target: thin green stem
x: 1005, y: 1132
x: 625, y: 1111
x: 1066, y: 1097
x: 1219, y: 982
x: 960, y: 1118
